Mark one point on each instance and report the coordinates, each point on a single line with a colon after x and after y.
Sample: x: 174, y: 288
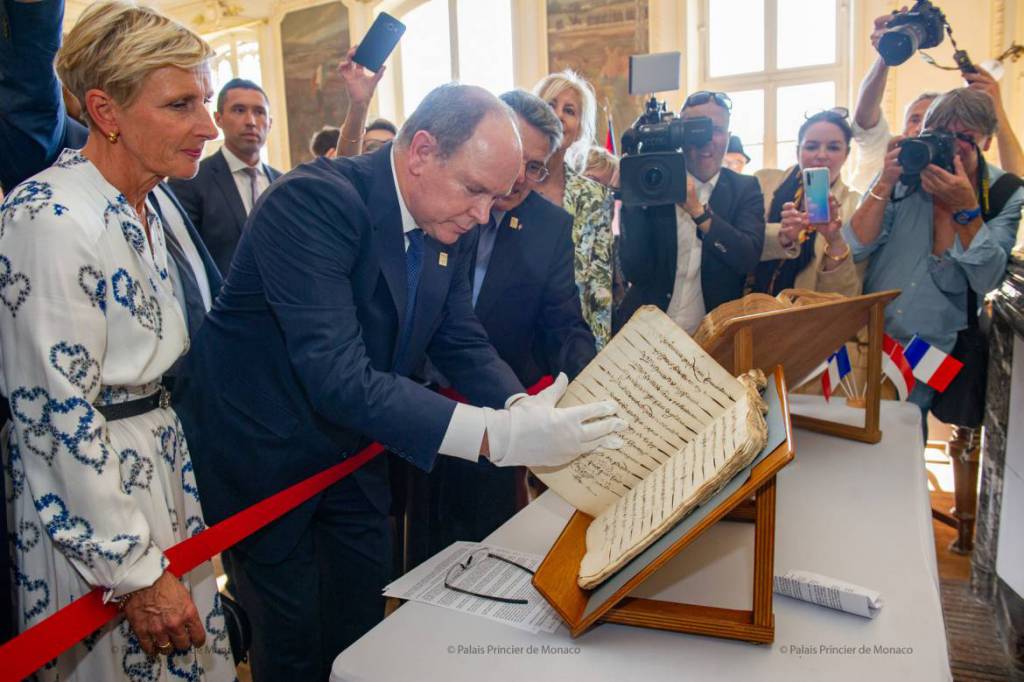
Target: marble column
x: 1007, y: 322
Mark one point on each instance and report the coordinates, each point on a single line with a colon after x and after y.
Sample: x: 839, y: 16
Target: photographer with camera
x: 896, y: 37
x: 689, y: 258
x: 938, y: 223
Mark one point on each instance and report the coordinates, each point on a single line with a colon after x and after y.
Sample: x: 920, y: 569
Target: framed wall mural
x: 314, y: 40
x: 595, y: 38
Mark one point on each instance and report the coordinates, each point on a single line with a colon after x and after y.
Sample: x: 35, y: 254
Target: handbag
x: 238, y: 627
x: 963, y: 401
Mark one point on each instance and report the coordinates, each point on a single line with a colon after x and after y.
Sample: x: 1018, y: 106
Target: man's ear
x: 423, y: 152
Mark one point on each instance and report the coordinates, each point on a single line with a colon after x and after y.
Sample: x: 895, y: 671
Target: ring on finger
x: 166, y: 646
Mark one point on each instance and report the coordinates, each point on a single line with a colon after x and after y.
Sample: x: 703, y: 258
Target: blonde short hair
x: 550, y: 87
x: 114, y: 45
x: 600, y: 160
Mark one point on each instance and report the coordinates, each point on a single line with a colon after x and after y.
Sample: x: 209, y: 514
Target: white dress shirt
x: 466, y: 428
x: 242, y: 181
x: 686, y: 307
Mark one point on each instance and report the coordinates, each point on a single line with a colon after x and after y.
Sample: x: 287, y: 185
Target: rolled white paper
x: 829, y: 592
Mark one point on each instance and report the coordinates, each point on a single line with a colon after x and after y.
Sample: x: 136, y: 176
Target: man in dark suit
x: 525, y: 296
x: 689, y: 259
x: 350, y: 272
x: 221, y: 195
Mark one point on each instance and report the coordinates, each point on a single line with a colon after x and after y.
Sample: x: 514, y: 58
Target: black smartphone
x: 379, y: 41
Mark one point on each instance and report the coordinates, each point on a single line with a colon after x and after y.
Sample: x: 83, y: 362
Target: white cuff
x: 465, y: 433
x: 150, y: 566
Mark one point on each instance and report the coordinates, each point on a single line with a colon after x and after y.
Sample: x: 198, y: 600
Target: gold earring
x: 112, y: 136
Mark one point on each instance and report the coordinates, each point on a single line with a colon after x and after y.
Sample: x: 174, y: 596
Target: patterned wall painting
x: 596, y: 37
x: 313, y: 41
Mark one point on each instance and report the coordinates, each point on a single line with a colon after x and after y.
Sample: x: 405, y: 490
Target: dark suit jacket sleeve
x: 33, y: 121
x: 306, y: 243
x: 460, y: 347
x: 738, y: 241
x: 567, y: 342
x: 190, y: 197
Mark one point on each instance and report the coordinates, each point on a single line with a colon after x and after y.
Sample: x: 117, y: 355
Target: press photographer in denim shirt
x: 934, y: 242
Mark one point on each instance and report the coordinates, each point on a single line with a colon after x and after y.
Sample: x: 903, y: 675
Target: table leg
x: 964, y: 450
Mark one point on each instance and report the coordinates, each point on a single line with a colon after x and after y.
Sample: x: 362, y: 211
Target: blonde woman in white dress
x: 100, y: 481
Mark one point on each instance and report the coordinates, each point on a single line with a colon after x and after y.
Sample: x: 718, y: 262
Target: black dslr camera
x: 935, y: 146
x: 652, y: 171
x: 918, y: 29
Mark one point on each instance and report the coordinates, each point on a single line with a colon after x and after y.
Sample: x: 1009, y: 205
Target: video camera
x: 920, y: 28
x: 652, y: 170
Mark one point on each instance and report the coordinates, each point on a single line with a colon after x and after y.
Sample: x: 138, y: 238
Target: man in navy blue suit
x: 525, y: 296
x: 349, y: 273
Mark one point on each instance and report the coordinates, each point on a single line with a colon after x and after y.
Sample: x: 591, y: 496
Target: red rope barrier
x: 44, y: 641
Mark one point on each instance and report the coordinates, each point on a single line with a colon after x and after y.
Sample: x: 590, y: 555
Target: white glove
x: 533, y: 432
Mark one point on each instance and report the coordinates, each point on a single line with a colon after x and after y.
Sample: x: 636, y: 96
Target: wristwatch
x: 967, y: 215
x: 703, y: 216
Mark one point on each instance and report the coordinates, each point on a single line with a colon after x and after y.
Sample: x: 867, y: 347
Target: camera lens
x: 898, y: 44
x: 653, y: 178
x: 915, y: 155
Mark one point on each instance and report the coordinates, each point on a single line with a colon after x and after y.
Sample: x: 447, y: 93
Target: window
x: 432, y: 53
x: 785, y: 60
x: 237, y: 56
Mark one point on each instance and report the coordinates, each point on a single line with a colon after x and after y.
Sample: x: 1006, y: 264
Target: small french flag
x: 930, y: 364
x: 896, y: 367
x: 838, y: 367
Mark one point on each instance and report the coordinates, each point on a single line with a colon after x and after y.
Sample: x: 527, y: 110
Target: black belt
x: 130, y: 408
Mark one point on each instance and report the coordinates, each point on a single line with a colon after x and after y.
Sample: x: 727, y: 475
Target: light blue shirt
x: 933, y: 302
x: 484, y: 249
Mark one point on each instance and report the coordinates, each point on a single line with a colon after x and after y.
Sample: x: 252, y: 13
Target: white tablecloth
x: 856, y: 512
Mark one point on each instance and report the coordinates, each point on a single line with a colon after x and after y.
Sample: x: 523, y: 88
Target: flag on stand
x: 930, y: 364
x: 896, y: 367
x: 838, y: 367
x: 609, y: 139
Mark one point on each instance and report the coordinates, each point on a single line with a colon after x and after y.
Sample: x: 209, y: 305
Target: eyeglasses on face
x: 536, y: 171
x: 477, y: 559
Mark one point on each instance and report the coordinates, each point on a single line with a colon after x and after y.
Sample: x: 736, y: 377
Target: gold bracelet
x: 871, y: 193
x: 838, y: 259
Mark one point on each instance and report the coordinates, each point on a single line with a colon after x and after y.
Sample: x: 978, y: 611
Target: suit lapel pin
x: 442, y: 259
x: 514, y: 223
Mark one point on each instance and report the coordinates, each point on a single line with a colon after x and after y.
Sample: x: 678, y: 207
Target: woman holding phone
x: 800, y: 250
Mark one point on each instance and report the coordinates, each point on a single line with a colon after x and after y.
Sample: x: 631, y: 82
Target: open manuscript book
x: 692, y: 427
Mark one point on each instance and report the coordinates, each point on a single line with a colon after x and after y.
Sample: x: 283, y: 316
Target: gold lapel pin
x: 514, y: 223
x: 442, y: 259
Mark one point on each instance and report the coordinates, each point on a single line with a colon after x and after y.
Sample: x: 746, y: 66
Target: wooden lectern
x: 556, y: 577
x: 800, y: 338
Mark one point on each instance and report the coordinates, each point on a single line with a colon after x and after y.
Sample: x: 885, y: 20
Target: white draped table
x: 856, y: 512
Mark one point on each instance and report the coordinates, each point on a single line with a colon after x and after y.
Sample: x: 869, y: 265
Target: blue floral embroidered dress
x: 87, y: 317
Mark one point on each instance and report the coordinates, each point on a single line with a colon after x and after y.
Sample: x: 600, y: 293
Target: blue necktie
x: 413, y: 266
x: 484, y: 249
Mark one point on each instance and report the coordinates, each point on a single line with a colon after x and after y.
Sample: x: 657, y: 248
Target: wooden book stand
x: 800, y: 338
x: 556, y: 578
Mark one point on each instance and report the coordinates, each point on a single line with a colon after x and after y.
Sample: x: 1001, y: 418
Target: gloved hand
x: 533, y: 432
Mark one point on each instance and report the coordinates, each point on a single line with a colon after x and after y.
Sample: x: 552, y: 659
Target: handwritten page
x: 668, y: 390
x: 686, y: 480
